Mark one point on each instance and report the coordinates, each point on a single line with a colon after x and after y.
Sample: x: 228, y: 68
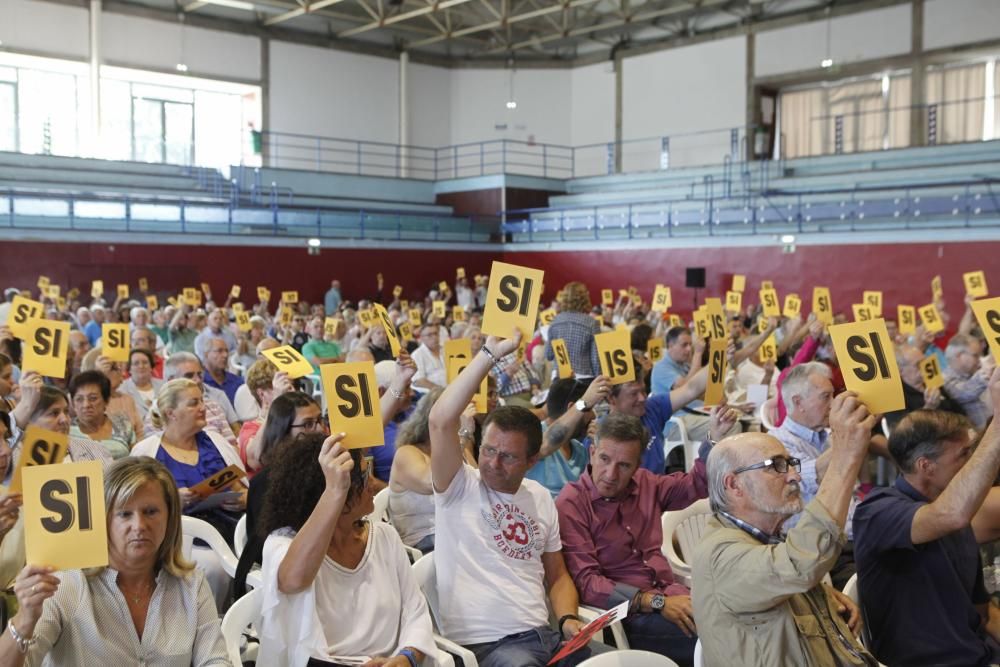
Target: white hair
x: 796, y: 383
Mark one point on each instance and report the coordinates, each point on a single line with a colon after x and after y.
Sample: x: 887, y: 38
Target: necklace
x: 136, y: 597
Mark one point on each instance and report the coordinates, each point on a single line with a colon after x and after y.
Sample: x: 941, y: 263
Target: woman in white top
x: 337, y: 587
x: 148, y: 606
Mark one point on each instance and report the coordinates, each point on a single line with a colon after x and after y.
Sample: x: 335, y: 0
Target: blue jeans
x: 652, y: 632
x: 532, y: 648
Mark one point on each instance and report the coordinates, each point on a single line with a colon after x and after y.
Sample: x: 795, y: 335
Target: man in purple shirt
x: 609, y: 521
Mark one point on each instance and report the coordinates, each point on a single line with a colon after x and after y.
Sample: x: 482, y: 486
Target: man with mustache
x: 757, y: 596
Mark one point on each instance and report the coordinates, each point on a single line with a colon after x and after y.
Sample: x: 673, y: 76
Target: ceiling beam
x: 500, y: 23
x: 308, y: 9
x: 398, y: 18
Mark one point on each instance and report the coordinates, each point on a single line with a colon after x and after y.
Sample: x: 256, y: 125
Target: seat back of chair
x: 193, y: 528
x: 629, y: 658
x: 240, y: 536
x: 381, y: 502
x: 243, y: 612
x: 769, y: 414
x: 692, y: 528
x: 426, y: 576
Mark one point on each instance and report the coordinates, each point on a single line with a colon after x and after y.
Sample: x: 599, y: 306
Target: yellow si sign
x: 936, y: 290
x: 662, y: 299
x: 405, y: 332
x: 22, y: 312
x: 397, y: 290
x: 769, y: 300
x: 562, y: 358
x: 512, y: 300
x: 766, y: 284
x: 873, y: 299
x: 330, y: 325
x: 143, y: 285
x: 457, y: 348
x: 768, y: 350
x: 734, y: 302
x: 234, y: 291
x: 263, y: 294
x: 192, y: 296
x: 289, y: 360
x: 152, y: 303
x: 43, y: 282
x: 865, y: 354
x: 290, y: 296
x: 228, y: 477
x: 975, y: 284
x: 443, y: 286
x: 382, y: 316
x: 285, y: 316
x: 654, y: 348
x: 439, y: 310
x: 65, y: 524
x: 931, y: 318
x: 546, y: 317
x: 716, y: 318
x: 97, y: 289
x: 455, y: 367
x: 906, y: 319
x: 115, y: 341
x: 739, y: 283
x: 862, y: 312
x: 415, y: 320
x: 822, y: 306
x: 701, y: 323
x: 243, y: 320
x: 122, y: 291
x: 988, y: 315
x: 352, y: 398
x: 614, y: 349
x: 715, y: 388
x: 458, y: 313
x: 607, y: 297
x: 793, y: 306
x: 39, y: 448
x: 930, y: 369
x: 46, y: 348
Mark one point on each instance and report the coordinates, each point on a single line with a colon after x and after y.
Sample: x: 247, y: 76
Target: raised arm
x: 753, y: 344
x: 305, y: 555
x: 691, y: 390
x: 850, y: 431
x: 446, y: 452
x: 394, y: 396
x: 562, y: 429
x: 964, y: 495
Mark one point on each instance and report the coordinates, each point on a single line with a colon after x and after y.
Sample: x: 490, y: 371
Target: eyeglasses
x: 779, y: 464
x: 192, y: 375
x: 505, y: 458
x: 310, y: 424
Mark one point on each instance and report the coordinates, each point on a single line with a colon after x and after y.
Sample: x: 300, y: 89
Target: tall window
x: 958, y: 96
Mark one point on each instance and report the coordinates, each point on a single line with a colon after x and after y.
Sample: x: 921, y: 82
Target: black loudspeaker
x: 695, y: 277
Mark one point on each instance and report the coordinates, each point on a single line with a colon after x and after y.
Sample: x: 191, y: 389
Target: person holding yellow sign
x: 576, y: 328
x: 148, y: 605
x: 966, y: 378
x: 338, y: 587
x: 916, y: 394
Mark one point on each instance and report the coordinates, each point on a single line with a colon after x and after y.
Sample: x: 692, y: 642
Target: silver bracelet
x: 22, y: 644
x: 397, y: 394
x: 496, y: 362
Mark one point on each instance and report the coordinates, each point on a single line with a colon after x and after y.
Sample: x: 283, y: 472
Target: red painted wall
x: 170, y: 267
x: 902, y: 271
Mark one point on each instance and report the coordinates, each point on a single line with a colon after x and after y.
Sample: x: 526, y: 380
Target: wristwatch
x: 581, y: 406
x: 657, y: 602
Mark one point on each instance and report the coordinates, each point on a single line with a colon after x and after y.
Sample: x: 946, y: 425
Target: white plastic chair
x: 699, y: 659
x: 423, y: 570
x: 194, y: 528
x: 240, y: 536
x: 589, y: 614
x: 381, y: 502
x: 688, y: 525
x: 851, y: 591
x: 768, y: 413
x: 243, y: 612
x: 681, y: 441
x: 628, y: 658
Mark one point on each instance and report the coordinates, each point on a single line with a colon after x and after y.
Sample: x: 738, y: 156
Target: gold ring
x: 33, y: 587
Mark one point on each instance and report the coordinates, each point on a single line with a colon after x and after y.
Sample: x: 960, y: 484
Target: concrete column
x: 918, y: 72
x: 619, y: 104
x: 404, y: 113
x: 93, y: 143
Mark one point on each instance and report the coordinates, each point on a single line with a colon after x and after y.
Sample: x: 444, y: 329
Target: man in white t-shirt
x: 498, y: 550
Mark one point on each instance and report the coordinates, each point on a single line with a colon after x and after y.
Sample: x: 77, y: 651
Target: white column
x: 404, y: 108
x: 93, y: 142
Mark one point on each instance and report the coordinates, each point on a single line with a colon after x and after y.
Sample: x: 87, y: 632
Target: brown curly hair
x: 575, y: 298
x: 296, y: 482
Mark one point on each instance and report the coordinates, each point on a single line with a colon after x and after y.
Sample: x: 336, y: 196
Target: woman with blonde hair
x: 148, y: 606
x: 575, y: 326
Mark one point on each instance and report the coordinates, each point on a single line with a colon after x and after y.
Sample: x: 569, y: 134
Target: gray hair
x: 796, y: 383
x: 722, y: 461
x: 135, y: 311
x: 170, y: 366
x: 958, y: 344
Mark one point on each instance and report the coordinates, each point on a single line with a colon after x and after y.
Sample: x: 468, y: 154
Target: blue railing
x: 968, y: 203
x: 51, y: 211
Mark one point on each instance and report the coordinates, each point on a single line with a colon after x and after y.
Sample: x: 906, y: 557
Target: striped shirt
x: 577, y: 331
x: 87, y: 622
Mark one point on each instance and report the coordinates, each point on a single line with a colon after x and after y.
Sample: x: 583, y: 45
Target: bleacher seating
x: 937, y: 186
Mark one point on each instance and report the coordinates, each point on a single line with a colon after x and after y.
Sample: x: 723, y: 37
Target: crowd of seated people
x: 542, y: 498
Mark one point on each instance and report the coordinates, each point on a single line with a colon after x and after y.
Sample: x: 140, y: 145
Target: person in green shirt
x: 182, y: 337
x: 319, y: 350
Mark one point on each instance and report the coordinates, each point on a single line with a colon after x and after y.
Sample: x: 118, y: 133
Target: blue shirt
x: 666, y: 372
x: 658, y: 412
x: 92, y: 330
x: 382, y: 456
x: 210, y: 461
x: 230, y: 383
x: 556, y: 471
x: 919, y: 598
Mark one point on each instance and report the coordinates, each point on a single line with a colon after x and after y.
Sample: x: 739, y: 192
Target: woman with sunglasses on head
x: 338, y: 588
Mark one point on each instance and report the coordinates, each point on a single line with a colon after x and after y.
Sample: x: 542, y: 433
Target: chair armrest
x: 467, y: 656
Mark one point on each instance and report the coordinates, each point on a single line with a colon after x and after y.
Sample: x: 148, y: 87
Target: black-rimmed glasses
x: 779, y: 464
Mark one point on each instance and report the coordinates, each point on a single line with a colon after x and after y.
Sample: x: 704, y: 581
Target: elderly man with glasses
x: 758, y: 597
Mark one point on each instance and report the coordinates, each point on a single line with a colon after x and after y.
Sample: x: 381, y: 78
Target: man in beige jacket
x: 758, y: 599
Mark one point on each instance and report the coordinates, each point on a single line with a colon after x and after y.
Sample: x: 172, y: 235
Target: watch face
x: 581, y: 406
x: 657, y: 602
